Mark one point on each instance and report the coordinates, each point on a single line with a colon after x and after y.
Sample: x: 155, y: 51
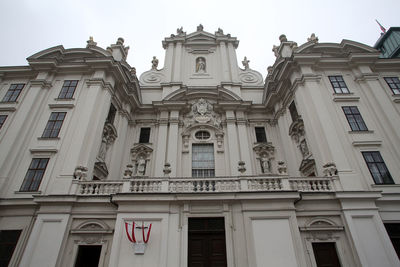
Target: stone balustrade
x: 208, y: 185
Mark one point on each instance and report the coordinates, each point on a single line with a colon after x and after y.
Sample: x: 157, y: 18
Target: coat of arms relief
x: 202, y: 114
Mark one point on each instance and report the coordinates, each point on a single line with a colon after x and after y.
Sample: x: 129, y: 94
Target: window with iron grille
x: 394, y: 84
x: 68, y: 89
x: 260, y: 134
x: 354, y: 118
x: 2, y: 120
x: 377, y: 167
x: 34, y: 175
x: 8, y: 242
x: 144, y: 135
x: 338, y: 84
x: 202, y: 135
x: 203, y: 160
x: 54, y: 124
x: 13, y: 92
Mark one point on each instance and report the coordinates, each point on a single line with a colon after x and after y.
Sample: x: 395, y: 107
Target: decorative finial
x: 200, y: 28
x: 312, y: 38
x: 241, y: 167
x: 245, y: 63
x: 282, y: 38
x: 154, y: 63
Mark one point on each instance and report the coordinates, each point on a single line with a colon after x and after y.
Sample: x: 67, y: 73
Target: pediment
x: 92, y: 227
x: 219, y: 94
x: 73, y: 54
x: 336, y: 49
x: 139, y: 149
x: 200, y: 37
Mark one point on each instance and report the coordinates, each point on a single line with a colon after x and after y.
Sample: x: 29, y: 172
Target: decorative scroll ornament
x: 139, y: 246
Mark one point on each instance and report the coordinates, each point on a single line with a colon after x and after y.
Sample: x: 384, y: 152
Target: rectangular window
x: 393, y: 230
x: 338, y: 84
x: 13, y: 92
x: 325, y: 254
x: 394, y: 84
x: 260, y: 134
x: 68, y: 89
x: 377, y: 167
x: 54, y: 124
x: 111, y: 114
x: 34, y: 175
x: 8, y: 242
x: 293, y: 111
x: 144, y: 135
x: 2, y: 120
x: 354, y: 118
x: 203, y: 160
x: 88, y: 255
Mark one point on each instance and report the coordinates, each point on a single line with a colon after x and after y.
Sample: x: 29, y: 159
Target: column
x: 173, y: 139
x: 161, y: 147
x: 232, y: 142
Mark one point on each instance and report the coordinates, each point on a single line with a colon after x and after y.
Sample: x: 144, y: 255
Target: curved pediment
x: 346, y: 46
x: 185, y: 94
x: 59, y: 52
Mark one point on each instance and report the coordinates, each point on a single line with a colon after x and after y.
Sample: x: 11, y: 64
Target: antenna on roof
x: 382, y: 28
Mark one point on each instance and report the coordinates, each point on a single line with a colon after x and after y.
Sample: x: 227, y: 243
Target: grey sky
x: 30, y: 26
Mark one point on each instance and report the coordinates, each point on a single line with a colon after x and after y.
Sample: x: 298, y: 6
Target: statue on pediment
x: 180, y: 31
x: 200, y: 28
x: 154, y: 63
x: 245, y: 63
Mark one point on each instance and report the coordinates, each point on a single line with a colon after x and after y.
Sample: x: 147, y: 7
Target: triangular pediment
x: 200, y: 37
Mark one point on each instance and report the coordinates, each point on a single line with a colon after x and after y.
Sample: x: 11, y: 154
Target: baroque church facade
x: 201, y: 162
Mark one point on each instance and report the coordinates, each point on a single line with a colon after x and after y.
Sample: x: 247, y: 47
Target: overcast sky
x: 30, y: 26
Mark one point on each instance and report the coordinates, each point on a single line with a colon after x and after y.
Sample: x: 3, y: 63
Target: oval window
x: 202, y: 135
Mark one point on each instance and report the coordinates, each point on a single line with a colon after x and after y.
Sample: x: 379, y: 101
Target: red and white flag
x: 382, y: 28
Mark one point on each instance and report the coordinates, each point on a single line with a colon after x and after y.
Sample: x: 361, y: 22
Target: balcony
x: 207, y: 185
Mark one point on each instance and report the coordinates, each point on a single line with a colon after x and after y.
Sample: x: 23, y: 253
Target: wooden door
x: 206, y: 242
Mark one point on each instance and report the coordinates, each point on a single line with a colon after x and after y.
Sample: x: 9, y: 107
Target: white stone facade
x: 135, y: 149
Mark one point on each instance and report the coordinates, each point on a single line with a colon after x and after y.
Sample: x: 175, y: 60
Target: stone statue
x: 201, y: 65
x: 154, y: 63
x: 303, y: 148
x: 179, y: 31
x: 245, y: 63
x: 265, y: 164
x: 312, y: 38
x: 103, y: 149
x: 90, y: 42
x: 220, y: 31
x: 141, y: 166
x: 200, y: 28
x: 275, y: 50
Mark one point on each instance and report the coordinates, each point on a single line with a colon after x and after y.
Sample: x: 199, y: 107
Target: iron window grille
x: 34, y: 175
x: 377, y: 167
x: 68, y: 89
x: 354, y: 118
x: 394, y: 84
x: 202, y: 135
x: 54, y: 124
x: 13, y: 92
x: 338, y: 84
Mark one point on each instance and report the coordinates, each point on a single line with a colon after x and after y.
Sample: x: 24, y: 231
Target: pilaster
x: 173, y: 139
x: 232, y: 142
x: 161, y: 144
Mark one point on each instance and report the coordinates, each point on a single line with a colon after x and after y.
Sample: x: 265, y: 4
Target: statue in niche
x: 200, y: 65
x: 154, y: 63
x: 141, y: 168
x: 103, y: 149
x: 303, y: 148
x: 266, y: 164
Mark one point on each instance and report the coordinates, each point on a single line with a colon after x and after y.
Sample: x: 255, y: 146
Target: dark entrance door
x: 206, y: 242
x: 325, y: 254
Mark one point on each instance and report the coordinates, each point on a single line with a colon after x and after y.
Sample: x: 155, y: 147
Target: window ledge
x: 61, y: 105
x: 64, y: 99
x: 361, y: 132
x: 48, y: 138
x: 345, y: 98
x: 367, y: 143
x: 396, y: 98
x: 8, y: 106
x: 28, y: 192
x: 45, y: 151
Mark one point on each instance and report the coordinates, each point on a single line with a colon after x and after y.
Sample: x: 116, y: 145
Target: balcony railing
x: 207, y: 185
